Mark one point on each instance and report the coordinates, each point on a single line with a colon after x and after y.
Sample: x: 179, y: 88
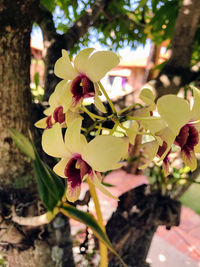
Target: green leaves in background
x: 37, y: 79
x: 50, y: 186
x: 22, y: 142
x: 89, y: 220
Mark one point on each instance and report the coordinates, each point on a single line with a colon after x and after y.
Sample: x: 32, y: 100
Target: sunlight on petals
x: 132, y: 132
x: 59, y: 168
x: 63, y: 67
x: 73, y: 140
x: 52, y: 142
x: 41, y: 123
x: 103, y: 152
x: 195, y: 108
x: 150, y: 150
x: 168, y: 136
x: 55, y: 96
x: 66, y: 98
x: 99, y: 63
x: 153, y: 126
x: 171, y: 108
x: 148, y: 97
x: 81, y: 60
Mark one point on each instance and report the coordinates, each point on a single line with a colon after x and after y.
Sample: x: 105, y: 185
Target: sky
x: 125, y: 53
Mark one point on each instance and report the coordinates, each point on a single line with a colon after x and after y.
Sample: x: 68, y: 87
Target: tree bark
x: 132, y: 226
x: 23, y: 246
x: 15, y: 96
x: 177, y: 72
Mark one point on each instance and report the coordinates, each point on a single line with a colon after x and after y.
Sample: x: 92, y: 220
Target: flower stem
x: 92, y: 115
x: 103, y: 248
x: 107, y: 97
x: 127, y: 108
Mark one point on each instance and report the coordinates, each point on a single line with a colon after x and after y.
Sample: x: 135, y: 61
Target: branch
x: 177, y: 73
x: 44, y: 19
x: 33, y: 221
x: 82, y: 25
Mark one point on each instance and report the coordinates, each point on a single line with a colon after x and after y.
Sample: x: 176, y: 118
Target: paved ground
x: 179, y: 247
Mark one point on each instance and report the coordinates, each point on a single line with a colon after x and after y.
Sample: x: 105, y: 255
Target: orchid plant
x: 168, y: 125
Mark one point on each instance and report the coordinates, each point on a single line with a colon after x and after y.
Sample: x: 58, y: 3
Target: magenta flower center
x: 187, y: 138
x: 58, y: 115
x: 76, y: 169
x: 82, y: 87
x: 49, y: 122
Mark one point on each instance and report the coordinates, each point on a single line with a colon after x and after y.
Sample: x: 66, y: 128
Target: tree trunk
x: 132, y: 226
x: 47, y: 246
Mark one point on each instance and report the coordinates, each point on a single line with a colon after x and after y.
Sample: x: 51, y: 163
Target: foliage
x: 121, y: 23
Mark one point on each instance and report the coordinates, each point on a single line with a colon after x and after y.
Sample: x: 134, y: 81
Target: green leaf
x: 22, y: 142
x: 49, y: 4
x: 37, y: 79
x: 50, y: 187
x: 89, y: 220
x: 108, y: 184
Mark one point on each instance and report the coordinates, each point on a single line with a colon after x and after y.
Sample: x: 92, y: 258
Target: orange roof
x: 134, y: 62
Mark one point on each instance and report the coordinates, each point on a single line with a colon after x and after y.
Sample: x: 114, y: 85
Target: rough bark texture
x: 47, y: 246
x: 132, y: 226
x: 177, y: 73
x: 15, y: 97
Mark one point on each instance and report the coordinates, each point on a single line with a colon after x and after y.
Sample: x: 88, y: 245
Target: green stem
x: 127, y: 108
x: 107, y: 97
x: 92, y: 115
x: 103, y: 248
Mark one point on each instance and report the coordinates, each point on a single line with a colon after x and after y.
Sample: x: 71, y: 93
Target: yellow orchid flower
x: 58, y: 110
x: 88, y: 68
x: 55, y: 111
x: 80, y: 158
x: 181, y: 129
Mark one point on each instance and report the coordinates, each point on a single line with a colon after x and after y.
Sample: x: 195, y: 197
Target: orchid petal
x: 99, y: 63
x: 103, y: 152
x: 71, y: 116
x: 48, y: 111
x: 132, y: 132
x: 74, y: 141
x: 52, y: 142
x: 66, y: 98
x: 73, y: 193
x: 41, y: 123
x: 63, y: 67
x: 98, y: 103
x: 195, y: 108
x: 54, y: 99
x: 197, y: 147
x: 102, y: 188
x: 174, y: 110
x: 59, y: 168
x: 150, y: 150
x: 153, y: 124
x: 165, y: 166
x: 81, y: 60
x: 189, y: 158
x: 148, y: 96
x: 168, y: 136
